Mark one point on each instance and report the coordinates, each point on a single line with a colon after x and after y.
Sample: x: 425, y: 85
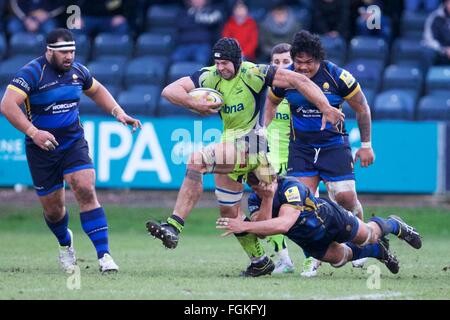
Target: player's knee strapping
x: 369, y: 236
x: 228, y: 198
x: 336, y: 187
x: 343, y: 261
x: 209, y: 158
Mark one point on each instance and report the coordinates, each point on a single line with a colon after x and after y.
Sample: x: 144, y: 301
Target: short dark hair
x: 280, y: 48
x: 59, y: 33
x: 305, y: 42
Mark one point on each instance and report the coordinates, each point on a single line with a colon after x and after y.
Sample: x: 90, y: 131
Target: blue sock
x: 387, y: 225
x: 60, y: 230
x: 369, y: 250
x: 96, y: 227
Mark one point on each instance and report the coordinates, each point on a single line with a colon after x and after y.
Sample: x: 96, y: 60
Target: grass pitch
x: 205, y: 265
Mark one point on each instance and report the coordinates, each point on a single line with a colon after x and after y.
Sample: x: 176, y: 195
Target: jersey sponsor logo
x: 232, y: 109
x: 60, y: 108
x: 308, y: 112
x: 48, y: 85
x: 282, y: 116
x: 22, y: 83
x: 293, y: 194
x: 253, y: 208
x: 347, y: 78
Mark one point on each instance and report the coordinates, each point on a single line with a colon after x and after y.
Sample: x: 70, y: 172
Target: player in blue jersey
x: 50, y: 87
x: 322, y: 228
x: 316, y: 154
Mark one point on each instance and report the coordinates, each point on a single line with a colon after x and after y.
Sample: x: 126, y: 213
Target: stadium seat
x: 410, y: 52
x: 366, y: 72
x: 159, y: 15
x: 145, y: 88
x: 438, y: 78
x: 106, y: 72
x: 83, y: 46
x: 169, y: 31
x: 350, y: 113
x: 167, y: 109
x: 440, y: 93
x: 136, y: 102
x: 27, y: 43
x: 182, y: 69
x: 9, y: 67
x: 3, y: 46
x: 120, y: 60
x: 335, y: 48
x: 113, y: 45
x: 402, y: 77
x: 412, y: 24
x: 155, y: 44
x: 395, y: 104
x: 434, y: 108
x: 146, y: 70
x: 89, y: 107
x: 368, y: 48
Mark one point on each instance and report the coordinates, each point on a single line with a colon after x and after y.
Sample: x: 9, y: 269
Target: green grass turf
x: 205, y: 265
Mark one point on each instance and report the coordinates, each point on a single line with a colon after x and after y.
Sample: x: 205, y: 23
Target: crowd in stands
x: 135, y: 47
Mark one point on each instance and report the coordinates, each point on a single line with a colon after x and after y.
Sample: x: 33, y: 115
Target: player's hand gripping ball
x: 211, y: 95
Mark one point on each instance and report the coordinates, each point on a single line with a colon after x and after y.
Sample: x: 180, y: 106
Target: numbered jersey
x: 337, y: 85
x: 243, y: 95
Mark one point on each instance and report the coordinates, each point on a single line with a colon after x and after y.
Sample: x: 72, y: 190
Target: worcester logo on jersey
x: 293, y: 195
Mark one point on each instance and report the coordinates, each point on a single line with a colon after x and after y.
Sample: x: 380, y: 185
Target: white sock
x: 284, y: 255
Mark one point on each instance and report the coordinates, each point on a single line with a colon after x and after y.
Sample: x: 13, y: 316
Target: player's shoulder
x: 339, y: 74
x: 80, y: 67
x: 292, y: 189
x: 207, y: 77
x: 251, y: 69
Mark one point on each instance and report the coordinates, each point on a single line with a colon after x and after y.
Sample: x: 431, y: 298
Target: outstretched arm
x: 289, y: 79
x: 359, y: 103
x: 101, y: 96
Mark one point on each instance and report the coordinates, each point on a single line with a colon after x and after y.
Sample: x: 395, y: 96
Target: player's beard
x: 59, y: 66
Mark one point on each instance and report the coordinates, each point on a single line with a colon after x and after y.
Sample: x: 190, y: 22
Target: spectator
x: 104, y: 16
x: 244, y: 29
x: 437, y: 32
x: 279, y: 26
x: 33, y: 16
x: 331, y: 18
x: 196, y: 27
x: 362, y: 25
x: 421, y: 5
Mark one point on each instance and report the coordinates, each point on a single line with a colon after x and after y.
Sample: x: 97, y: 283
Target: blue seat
x: 3, y: 46
x: 159, y: 15
x: 83, y: 47
x: 9, y: 67
x: 145, y: 88
x: 167, y: 109
x: 368, y: 48
x: 182, y: 69
x: 438, y: 78
x: 402, y: 77
x: 89, y: 107
x: 27, y: 43
x: 106, y: 72
x: 440, y: 93
x: 395, y: 104
x: 335, y: 48
x: 136, y: 102
x: 350, y: 113
x: 146, y: 70
x: 434, y: 108
x: 112, y: 45
x: 166, y: 31
x: 154, y: 43
x: 410, y: 52
x: 366, y: 72
x: 412, y: 24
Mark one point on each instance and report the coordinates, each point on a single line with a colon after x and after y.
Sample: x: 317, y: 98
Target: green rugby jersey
x: 243, y: 95
x: 278, y: 135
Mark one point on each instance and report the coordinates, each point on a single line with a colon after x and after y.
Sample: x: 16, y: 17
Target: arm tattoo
x: 194, y: 175
x: 363, y: 116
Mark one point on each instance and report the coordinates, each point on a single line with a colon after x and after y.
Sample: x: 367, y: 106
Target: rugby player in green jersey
x: 241, y: 150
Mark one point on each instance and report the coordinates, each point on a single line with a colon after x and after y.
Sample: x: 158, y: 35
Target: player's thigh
x: 311, y: 182
x: 219, y: 157
x: 229, y: 195
x: 53, y: 204
x: 301, y: 166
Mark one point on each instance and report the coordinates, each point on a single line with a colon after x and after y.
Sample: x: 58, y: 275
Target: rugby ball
x: 211, y: 95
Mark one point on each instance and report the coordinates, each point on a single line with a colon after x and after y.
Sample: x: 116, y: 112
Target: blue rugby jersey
x: 52, y: 98
x: 337, y: 85
x: 294, y: 193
